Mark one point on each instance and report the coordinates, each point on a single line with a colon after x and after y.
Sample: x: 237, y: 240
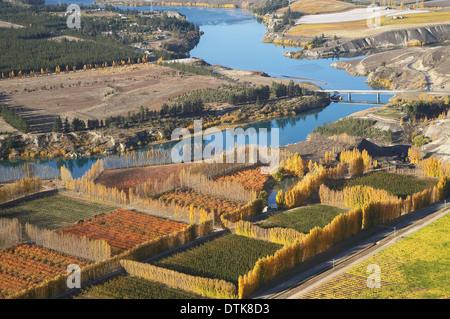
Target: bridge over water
x: 378, y: 93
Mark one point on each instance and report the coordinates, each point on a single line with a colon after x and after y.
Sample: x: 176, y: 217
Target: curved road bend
x: 427, y: 78
x: 322, y: 267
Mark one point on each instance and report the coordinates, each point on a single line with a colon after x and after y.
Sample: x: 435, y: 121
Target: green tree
x: 57, y: 124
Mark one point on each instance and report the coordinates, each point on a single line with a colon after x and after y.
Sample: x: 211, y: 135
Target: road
x: 340, y: 257
x: 427, y: 79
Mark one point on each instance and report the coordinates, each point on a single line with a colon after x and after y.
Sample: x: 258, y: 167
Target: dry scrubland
x: 415, y: 267
x: 405, y: 68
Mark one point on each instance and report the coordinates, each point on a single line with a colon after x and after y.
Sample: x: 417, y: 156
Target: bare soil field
x: 5, y: 127
x: 97, y: 94
x: 60, y: 38
x: 4, y: 24
x: 257, y: 77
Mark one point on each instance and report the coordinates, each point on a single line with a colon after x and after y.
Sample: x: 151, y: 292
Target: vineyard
x: 395, y: 184
x: 249, y: 178
x: 54, y: 211
x: 303, y: 219
x: 123, y: 229
x: 130, y: 287
x: 207, y: 202
x: 226, y: 257
x: 26, y: 265
x: 126, y: 178
x: 415, y: 267
x: 232, y: 265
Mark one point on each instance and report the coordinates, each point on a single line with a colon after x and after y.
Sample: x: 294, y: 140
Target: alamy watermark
x: 74, y: 279
x: 374, y: 19
x: 234, y: 145
x: 374, y: 279
x: 73, y: 14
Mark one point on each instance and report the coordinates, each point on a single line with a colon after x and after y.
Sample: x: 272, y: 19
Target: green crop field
x: 226, y: 257
x: 396, y: 184
x: 418, y: 266
x: 303, y: 219
x: 54, y: 211
x: 130, y: 287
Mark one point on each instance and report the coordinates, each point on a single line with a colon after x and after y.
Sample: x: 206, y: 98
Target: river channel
x: 233, y: 38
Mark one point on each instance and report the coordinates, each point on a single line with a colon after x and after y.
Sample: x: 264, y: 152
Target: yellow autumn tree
x: 414, y: 154
x: 280, y: 199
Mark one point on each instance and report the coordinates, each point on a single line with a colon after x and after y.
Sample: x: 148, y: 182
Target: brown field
x: 125, y: 178
x: 124, y: 229
x: 327, y: 28
x: 82, y: 93
x: 205, y: 201
x: 249, y: 178
x: 320, y: 6
x: 5, y: 127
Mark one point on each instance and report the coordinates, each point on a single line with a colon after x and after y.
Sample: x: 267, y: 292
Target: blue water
x: 233, y: 38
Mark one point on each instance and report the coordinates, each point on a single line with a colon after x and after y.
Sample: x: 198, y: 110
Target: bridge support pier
x: 378, y: 97
x: 349, y: 96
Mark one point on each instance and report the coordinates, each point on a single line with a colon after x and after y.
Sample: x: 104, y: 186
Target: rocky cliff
x: 392, y: 39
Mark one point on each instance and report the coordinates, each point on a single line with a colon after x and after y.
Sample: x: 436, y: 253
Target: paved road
x: 324, y: 267
x: 427, y: 79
